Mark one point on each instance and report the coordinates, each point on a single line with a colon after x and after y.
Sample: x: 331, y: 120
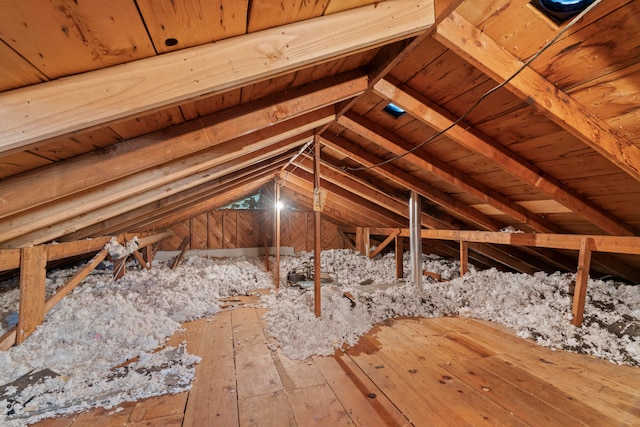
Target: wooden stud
x: 464, y: 257
x: 360, y: 240
x: 399, y: 256
x: 384, y: 243
x: 317, y: 229
x: 76, y: 279
x: 182, y: 248
x: 582, y: 277
x: 148, y: 253
x: 138, y: 256
x: 33, y: 277
x: 276, y: 273
x: 120, y: 267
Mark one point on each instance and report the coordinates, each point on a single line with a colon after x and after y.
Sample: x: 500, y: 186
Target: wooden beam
x: 90, y: 208
x: 276, y: 271
x: 76, y: 279
x: 80, y: 247
x: 503, y: 157
x: 207, y: 133
x: 140, y: 217
x: 582, y: 278
x: 9, y: 259
x: 367, y: 191
x: 397, y: 146
x: 361, y: 211
x: 404, y: 179
x: 484, y: 53
x: 33, y: 277
x: 390, y: 238
x: 399, y: 241
x: 61, y: 106
x: 612, y: 244
x: 182, y: 248
x: 464, y: 257
x: 317, y: 236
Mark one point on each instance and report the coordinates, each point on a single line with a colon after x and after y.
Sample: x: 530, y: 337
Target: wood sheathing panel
x: 230, y: 229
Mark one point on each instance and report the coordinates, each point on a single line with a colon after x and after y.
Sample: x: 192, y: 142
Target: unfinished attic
x: 367, y: 213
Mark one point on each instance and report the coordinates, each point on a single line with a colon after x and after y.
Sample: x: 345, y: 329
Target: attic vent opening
x: 394, y: 110
x: 561, y: 11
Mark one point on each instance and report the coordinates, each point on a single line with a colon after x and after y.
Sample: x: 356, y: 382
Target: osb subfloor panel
x: 423, y: 372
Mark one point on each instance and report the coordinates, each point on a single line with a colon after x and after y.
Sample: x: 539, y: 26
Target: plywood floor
x: 421, y: 372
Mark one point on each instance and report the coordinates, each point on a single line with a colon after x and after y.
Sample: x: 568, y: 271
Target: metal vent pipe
x: 415, y: 239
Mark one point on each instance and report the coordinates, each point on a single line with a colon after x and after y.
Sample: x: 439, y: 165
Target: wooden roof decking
x: 113, y: 111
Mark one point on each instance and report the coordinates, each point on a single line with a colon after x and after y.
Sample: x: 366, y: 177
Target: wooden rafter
x: 135, y: 190
x: 504, y: 158
x: 95, y: 168
x: 397, y: 146
x: 338, y: 196
x: 473, y: 45
x: 94, y: 214
x: 365, y: 193
x: 61, y: 106
x: 221, y: 197
x: 140, y: 218
x: 409, y: 182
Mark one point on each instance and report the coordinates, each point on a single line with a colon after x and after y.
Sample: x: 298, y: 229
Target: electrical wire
x: 484, y: 95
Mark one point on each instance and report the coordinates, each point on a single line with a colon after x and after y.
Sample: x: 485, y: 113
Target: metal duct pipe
x: 415, y: 239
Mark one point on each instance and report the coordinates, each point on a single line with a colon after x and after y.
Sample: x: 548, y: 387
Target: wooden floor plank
x: 297, y: 373
x: 583, y: 383
x: 551, y: 395
x: 256, y: 372
x: 213, y: 397
x: 159, y: 407
x: 366, y: 404
x: 318, y: 406
x: 450, y: 340
x: 423, y: 372
x: 435, y: 384
x: 420, y: 411
x: 526, y: 406
x: 168, y: 421
x: 271, y: 409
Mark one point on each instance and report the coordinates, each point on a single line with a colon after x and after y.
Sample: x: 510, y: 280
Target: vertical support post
x: 120, y: 267
x: 415, y: 239
x: 148, y: 252
x: 276, y: 273
x: 366, y: 239
x: 399, y: 248
x: 33, y: 278
x: 360, y: 240
x: 317, y: 237
x: 582, y: 277
x: 464, y: 257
